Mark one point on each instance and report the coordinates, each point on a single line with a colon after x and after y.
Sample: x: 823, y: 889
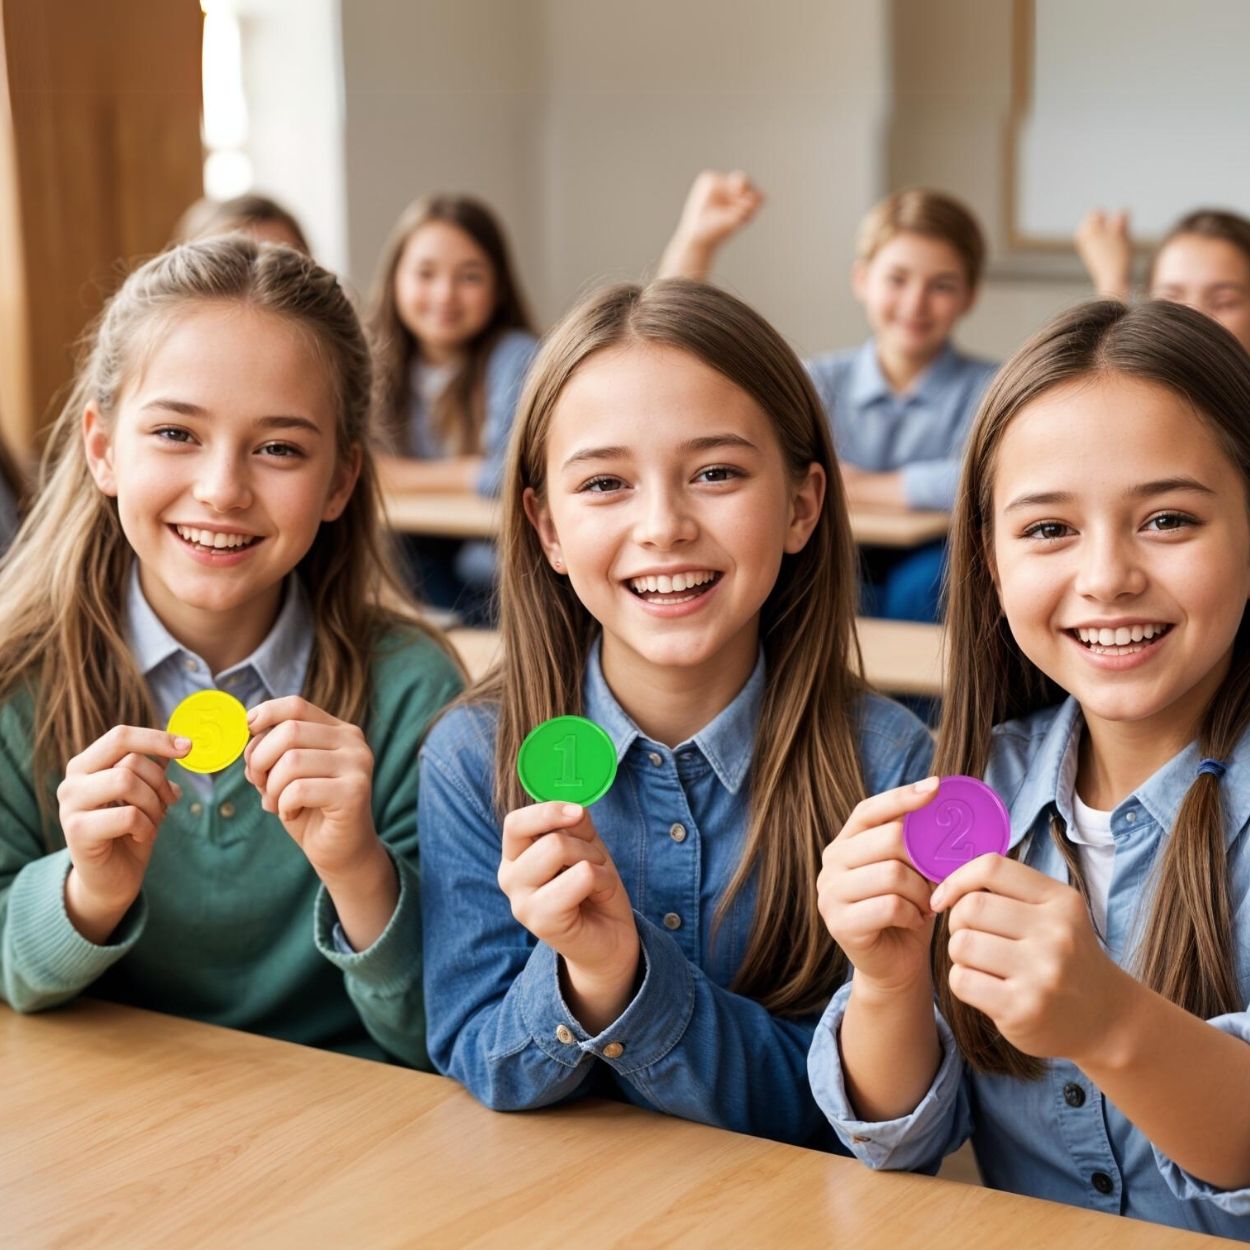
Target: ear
x: 859, y: 280
x: 805, y: 507
x: 539, y: 516
x: 346, y: 474
x: 97, y: 443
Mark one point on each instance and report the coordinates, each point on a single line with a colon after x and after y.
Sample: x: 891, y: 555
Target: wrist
x: 94, y: 917
x: 362, y: 875
x: 596, y: 996
x: 888, y: 993
x: 1115, y: 1041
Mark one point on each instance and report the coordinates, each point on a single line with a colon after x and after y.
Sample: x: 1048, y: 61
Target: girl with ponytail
x: 1091, y: 1027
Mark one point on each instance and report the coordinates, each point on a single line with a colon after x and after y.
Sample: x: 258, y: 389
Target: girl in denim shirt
x: 1091, y: 1027
x: 676, y: 565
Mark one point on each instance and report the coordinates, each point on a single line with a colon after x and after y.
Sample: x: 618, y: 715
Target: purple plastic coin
x: 964, y: 820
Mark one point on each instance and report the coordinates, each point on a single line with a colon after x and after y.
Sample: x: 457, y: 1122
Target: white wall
x: 583, y: 122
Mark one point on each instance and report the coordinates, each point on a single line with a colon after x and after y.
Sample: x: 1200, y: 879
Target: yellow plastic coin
x: 216, y: 723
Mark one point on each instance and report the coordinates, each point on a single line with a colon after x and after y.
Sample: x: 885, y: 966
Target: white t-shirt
x: 1095, y: 846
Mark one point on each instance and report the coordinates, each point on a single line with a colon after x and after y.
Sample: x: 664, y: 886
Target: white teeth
x: 1149, y: 631
x: 1137, y: 633
x: 211, y: 538
x: 1123, y: 637
x: 664, y: 585
x: 1106, y: 637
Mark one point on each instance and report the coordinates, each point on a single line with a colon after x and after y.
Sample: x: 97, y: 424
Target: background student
x: 209, y: 520
x: 264, y: 219
x: 677, y: 566
x: 1203, y: 261
x: 454, y: 340
x: 1092, y: 1033
x: 901, y: 404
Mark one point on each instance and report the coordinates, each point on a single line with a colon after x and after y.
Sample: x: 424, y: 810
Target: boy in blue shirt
x: 900, y: 406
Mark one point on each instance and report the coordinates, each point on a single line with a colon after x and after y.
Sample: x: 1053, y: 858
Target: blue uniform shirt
x: 1058, y: 1137
x: 675, y: 824
x: 922, y: 432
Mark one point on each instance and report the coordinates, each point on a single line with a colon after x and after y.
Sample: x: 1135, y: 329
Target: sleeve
x: 499, y: 1023
x: 505, y: 378
x: 384, y: 981
x: 932, y: 483
x: 1187, y: 1186
x: 940, y: 1124
x: 44, y: 960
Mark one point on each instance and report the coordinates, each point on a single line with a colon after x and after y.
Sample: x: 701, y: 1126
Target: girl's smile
x: 669, y: 503
x: 222, y: 454
x: 1122, y: 549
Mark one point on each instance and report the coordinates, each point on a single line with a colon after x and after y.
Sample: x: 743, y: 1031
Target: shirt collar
x: 727, y: 742
x: 1051, y: 779
x: 280, y: 662
x: 868, y: 384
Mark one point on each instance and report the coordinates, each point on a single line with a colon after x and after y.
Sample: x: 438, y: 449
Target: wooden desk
x: 471, y: 516
x: 125, y: 1128
x: 900, y: 657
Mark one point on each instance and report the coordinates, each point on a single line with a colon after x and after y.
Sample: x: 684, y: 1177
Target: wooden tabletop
x: 125, y: 1128
x: 900, y: 657
x: 471, y: 516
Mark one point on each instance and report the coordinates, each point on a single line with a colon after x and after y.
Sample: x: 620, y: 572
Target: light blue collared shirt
x: 1058, y: 1137
x: 275, y: 670
x: 675, y: 823
x: 922, y: 432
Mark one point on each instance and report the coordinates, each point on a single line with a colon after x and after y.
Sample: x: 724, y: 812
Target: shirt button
x: 564, y: 1034
x: 672, y: 921
x: 1102, y: 1182
x: 677, y: 832
x: 656, y: 758
x: 226, y: 810
x: 1073, y: 1095
x: 192, y: 666
x: 613, y: 1050
x: 196, y: 808
x: 1130, y: 817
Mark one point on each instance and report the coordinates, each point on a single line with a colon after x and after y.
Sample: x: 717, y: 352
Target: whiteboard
x: 1137, y: 104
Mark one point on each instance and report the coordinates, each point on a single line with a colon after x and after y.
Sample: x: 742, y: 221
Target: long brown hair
x: 1185, y: 952
x: 459, y: 414
x: 62, y: 589
x: 805, y: 774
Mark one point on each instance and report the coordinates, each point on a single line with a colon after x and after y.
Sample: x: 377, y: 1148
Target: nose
x: 222, y: 483
x: 1109, y: 568
x: 915, y: 299
x: 665, y: 520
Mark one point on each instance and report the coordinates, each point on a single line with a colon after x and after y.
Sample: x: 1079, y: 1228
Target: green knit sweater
x: 232, y: 925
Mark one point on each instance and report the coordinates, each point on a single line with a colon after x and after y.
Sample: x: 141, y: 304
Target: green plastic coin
x: 216, y: 723
x: 567, y: 759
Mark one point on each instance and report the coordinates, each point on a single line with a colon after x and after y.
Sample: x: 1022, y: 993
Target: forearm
x: 874, y: 490
x: 403, y: 474
x: 685, y: 257
x: 1184, y: 1084
x: 890, y: 1049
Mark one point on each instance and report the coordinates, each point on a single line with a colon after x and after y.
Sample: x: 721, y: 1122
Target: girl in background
x: 1092, y: 1033
x: 1203, y: 261
x: 677, y: 565
x: 265, y: 220
x: 208, y: 518
x: 453, y: 341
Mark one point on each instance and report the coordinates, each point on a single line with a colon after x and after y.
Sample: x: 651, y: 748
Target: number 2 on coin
x: 566, y: 749
x: 955, y: 846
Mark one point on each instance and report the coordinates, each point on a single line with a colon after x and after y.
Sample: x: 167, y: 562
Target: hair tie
x: 1217, y: 768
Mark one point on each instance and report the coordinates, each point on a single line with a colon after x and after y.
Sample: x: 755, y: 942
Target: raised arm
x: 717, y: 207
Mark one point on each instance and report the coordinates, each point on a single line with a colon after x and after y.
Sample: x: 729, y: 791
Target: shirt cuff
x: 49, y: 954
x: 393, y: 963
x: 649, y: 1027
x: 931, y: 484
x: 1188, y: 1187
x: 911, y: 1142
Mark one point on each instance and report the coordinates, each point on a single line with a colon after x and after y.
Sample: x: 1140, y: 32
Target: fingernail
x: 937, y: 898
x: 183, y: 744
x: 571, y: 810
x: 251, y: 715
x: 177, y: 789
x: 925, y: 786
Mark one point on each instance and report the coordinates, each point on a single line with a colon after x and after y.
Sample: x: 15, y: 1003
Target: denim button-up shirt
x: 921, y: 433
x: 675, y: 823
x: 1042, y: 1138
